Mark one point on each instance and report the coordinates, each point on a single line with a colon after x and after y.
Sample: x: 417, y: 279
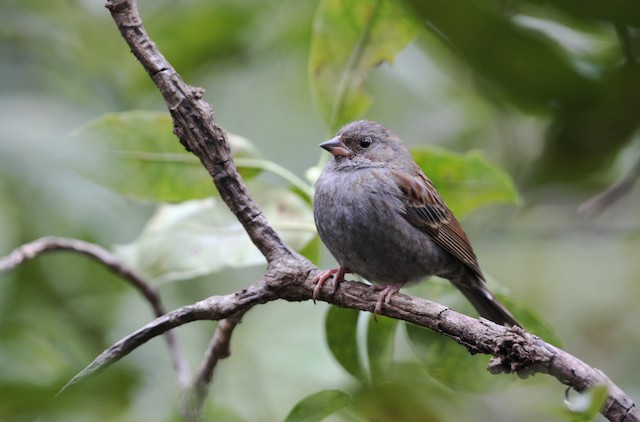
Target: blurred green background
x: 545, y: 90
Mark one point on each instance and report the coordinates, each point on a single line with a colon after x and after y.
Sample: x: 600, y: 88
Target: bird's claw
x: 384, y: 296
x: 325, y: 275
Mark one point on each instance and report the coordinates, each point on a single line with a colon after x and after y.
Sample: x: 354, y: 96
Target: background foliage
x: 548, y: 91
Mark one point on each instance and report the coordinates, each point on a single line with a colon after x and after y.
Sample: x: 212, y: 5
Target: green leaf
x: 587, y: 405
x: 466, y: 181
x: 298, y: 185
x: 450, y: 363
x: 318, y: 406
x: 312, y: 250
x: 220, y: 412
x: 520, y: 62
x: 532, y: 321
x: 348, y: 40
x: 136, y: 154
x: 341, y: 331
x: 199, y: 237
x: 408, y: 394
x: 622, y: 12
x: 380, y: 342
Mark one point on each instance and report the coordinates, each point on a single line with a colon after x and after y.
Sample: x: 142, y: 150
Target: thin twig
x: 114, y: 263
x: 219, y: 348
x: 604, y: 199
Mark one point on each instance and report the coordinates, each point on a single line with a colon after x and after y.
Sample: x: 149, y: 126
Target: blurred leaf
x: 587, y: 134
x: 318, y: 406
x: 380, y: 342
x: 466, y: 181
x: 312, y: 250
x: 22, y: 401
x: 587, y: 405
x: 408, y: 395
x: 533, y: 322
x: 313, y: 173
x: 341, y: 332
x: 349, y: 39
x: 451, y: 363
x: 520, y: 62
x: 592, y: 103
x: 219, y: 412
x: 9, y: 212
x: 298, y: 186
x: 144, y: 159
x: 202, y: 236
x: 206, y: 33
x: 620, y: 12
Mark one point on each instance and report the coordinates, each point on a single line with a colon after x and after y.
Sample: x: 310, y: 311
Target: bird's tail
x: 486, y: 303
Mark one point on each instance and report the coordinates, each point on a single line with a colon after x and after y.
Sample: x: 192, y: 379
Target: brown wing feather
x: 423, y: 202
x: 426, y: 210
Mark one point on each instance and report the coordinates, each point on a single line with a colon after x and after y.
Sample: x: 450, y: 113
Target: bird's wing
x: 425, y: 209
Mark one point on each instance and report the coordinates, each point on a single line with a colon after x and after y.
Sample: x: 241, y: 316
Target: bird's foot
x: 325, y: 275
x: 386, y: 291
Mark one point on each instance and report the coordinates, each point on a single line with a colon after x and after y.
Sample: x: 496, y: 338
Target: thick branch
x: 194, y: 124
x: 514, y: 350
x: 288, y: 273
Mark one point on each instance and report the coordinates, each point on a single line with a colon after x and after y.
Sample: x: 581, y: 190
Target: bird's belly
x: 368, y: 234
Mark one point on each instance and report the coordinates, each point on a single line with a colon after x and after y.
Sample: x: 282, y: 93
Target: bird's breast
x: 359, y: 218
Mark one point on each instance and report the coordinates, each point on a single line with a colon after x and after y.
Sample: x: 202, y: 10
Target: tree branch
x: 514, y: 350
x: 114, y: 263
x: 213, y: 308
x: 194, y: 125
x: 288, y: 274
x: 219, y: 348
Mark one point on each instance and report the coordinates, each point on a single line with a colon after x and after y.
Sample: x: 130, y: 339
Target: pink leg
x: 323, y: 276
x: 385, y: 294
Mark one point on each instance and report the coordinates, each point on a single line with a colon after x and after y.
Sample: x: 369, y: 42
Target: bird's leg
x: 386, y: 291
x: 323, y: 276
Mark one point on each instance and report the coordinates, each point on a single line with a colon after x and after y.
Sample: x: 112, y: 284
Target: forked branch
x: 289, y: 275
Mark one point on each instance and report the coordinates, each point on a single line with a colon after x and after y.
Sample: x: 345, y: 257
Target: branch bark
x: 289, y: 275
x: 515, y: 351
x: 195, y: 127
x: 219, y: 348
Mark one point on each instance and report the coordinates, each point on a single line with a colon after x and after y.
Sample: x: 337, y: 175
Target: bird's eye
x: 365, y: 142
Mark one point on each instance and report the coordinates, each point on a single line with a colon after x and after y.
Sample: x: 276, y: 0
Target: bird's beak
x: 336, y: 147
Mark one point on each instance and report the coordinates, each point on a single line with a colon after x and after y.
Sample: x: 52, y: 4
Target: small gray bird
x: 382, y: 218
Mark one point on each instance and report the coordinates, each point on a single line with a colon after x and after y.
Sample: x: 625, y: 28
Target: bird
x: 381, y: 217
